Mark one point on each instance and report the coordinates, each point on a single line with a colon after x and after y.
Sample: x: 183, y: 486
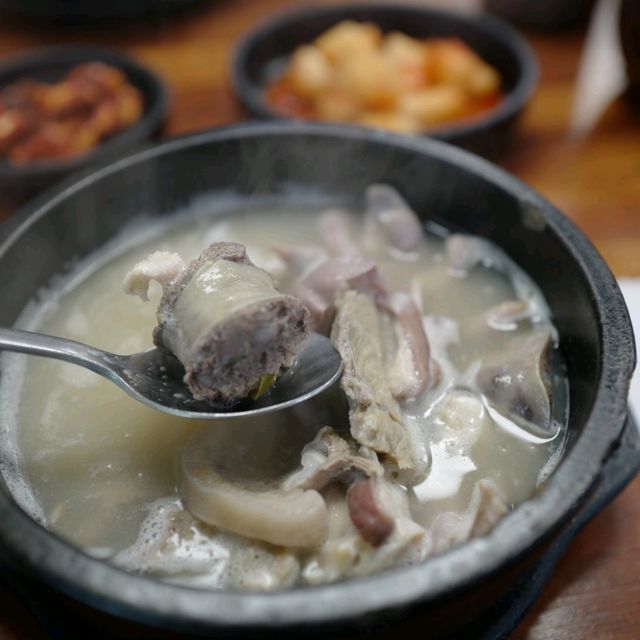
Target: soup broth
x: 101, y: 470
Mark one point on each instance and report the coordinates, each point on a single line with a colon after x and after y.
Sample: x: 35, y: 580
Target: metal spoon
x: 153, y: 380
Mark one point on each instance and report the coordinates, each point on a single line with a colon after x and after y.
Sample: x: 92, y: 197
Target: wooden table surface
x: 595, y: 592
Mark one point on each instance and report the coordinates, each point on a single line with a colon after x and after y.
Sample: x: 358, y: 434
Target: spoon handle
x: 40, y: 344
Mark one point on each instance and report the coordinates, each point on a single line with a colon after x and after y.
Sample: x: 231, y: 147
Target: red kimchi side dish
x: 53, y: 121
x: 355, y: 73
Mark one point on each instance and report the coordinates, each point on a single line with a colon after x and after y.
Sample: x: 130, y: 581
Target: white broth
x: 99, y: 466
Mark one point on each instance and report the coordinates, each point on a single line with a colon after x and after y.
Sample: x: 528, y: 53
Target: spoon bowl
x: 156, y: 380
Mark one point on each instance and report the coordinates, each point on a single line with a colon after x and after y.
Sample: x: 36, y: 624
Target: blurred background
x: 578, y: 137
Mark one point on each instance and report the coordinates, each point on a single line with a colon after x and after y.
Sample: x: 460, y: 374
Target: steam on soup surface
x: 452, y: 409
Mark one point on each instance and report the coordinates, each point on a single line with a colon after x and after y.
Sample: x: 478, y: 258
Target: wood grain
x: 595, y: 592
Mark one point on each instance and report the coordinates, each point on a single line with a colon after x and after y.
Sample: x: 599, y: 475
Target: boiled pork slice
x: 374, y: 414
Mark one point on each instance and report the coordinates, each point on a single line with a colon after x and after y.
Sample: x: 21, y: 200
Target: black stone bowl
x: 442, y: 183
x: 263, y: 52
x: 51, y: 65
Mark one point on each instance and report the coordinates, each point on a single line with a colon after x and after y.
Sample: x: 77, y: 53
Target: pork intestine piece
x: 328, y: 459
x: 223, y: 318
x: 463, y: 252
x: 161, y: 266
x: 335, y: 231
x: 459, y: 417
x: 345, y: 553
x: 299, y: 260
x: 388, y: 215
x: 320, y: 287
x: 486, y: 507
x: 374, y: 414
x: 517, y: 381
x: 482, y: 333
x: 367, y: 511
x: 227, y: 480
x: 287, y: 518
x: 411, y: 370
x: 507, y: 316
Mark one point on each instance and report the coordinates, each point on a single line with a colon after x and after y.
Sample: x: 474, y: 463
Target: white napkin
x: 602, y: 76
x: 631, y: 291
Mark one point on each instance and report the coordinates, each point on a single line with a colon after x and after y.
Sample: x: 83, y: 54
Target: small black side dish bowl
x: 72, y: 12
x: 262, y: 54
x: 51, y: 65
x: 294, y: 161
